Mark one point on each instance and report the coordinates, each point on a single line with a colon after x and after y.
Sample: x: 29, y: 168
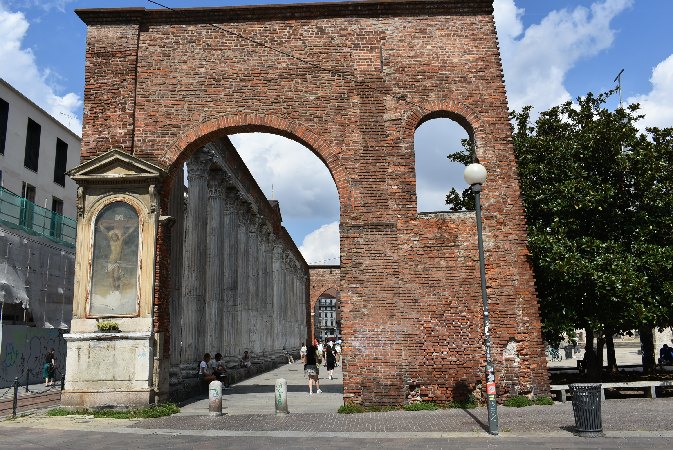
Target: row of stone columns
x: 242, y: 287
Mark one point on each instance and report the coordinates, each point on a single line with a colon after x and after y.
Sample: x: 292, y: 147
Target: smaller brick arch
x: 459, y: 112
x: 322, y: 279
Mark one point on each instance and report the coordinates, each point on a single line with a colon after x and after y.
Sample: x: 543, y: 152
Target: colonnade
x: 242, y: 284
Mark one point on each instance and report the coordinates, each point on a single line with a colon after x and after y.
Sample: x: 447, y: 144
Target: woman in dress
x: 330, y: 361
x: 311, y: 369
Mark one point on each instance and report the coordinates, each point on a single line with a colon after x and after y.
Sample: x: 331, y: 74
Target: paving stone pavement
x: 250, y: 422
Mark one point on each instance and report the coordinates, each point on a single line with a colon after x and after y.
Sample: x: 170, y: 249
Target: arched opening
x: 327, y: 317
x: 436, y: 175
x: 252, y: 211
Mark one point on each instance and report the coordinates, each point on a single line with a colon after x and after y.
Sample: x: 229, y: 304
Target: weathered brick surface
x: 411, y: 306
x: 321, y: 279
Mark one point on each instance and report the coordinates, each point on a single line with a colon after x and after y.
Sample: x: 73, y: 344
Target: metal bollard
x: 215, y: 398
x: 281, y: 397
x: 27, y: 374
x: 16, y: 396
x: 62, y: 382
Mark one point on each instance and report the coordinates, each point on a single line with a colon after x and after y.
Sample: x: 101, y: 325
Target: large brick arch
x: 203, y: 133
x: 361, y: 78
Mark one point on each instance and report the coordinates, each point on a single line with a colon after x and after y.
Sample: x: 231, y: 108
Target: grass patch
x: 520, y: 401
x: 470, y: 403
x: 420, y: 406
x: 154, y: 411
x: 543, y: 401
x: 351, y: 408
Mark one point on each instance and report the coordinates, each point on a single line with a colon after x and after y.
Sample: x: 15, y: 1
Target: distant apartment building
x: 37, y: 213
x: 327, y: 323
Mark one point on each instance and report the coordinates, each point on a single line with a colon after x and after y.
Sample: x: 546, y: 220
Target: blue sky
x: 552, y: 50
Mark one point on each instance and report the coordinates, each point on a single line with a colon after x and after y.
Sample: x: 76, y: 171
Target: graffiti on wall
x: 24, y: 348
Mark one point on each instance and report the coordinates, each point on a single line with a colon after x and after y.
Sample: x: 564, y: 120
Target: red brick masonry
x: 159, y: 84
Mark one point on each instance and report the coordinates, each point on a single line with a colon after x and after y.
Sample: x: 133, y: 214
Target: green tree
x: 463, y: 201
x: 598, y: 196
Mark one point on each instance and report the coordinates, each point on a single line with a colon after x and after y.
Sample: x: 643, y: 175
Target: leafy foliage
x: 598, y: 196
x: 463, y: 201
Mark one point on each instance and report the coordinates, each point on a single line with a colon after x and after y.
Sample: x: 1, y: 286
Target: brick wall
x: 411, y: 306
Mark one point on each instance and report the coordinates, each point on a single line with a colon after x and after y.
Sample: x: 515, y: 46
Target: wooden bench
x: 560, y: 391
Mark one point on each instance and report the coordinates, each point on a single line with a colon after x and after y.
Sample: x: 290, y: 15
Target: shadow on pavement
x: 476, y: 419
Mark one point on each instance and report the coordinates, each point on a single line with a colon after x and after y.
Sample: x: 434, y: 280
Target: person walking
x: 49, y: 368
x: 311, y: 369
x: 330, y: 361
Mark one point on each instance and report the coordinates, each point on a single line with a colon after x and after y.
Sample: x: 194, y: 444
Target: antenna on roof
x: 618, y: 80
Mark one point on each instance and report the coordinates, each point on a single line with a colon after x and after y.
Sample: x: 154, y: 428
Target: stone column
x: 194, y: 259
x: 176, y: 209
x: 277, y: 291
x: 266, y: 339
x: 231, y: 264
x: 253, y: 298
x: 215, y: 266
x: 242, y: 275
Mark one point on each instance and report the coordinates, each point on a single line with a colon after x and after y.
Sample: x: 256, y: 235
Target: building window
x: 4, y: 116
x: 61, y: 160
x: 27, y: 205
x: 32, y: 154
x: 56, y: 227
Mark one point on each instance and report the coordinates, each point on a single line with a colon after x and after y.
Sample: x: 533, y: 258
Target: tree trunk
x: 591, y: 364
x: 612, y: 358
x: 647, y: 345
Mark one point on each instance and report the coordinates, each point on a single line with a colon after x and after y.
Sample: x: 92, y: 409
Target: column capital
x: 216, y: 186
x: 198, y: 166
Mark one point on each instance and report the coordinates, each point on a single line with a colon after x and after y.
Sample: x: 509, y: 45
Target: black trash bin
x: 587, y: 409
x: 569, y: 351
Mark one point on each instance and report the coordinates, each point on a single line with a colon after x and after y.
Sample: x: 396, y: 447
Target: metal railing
x: 17, y: 212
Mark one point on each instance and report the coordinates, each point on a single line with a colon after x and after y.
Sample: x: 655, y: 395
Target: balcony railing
x: 17, y: 212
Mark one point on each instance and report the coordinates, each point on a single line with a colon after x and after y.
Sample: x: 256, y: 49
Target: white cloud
x: 301, y: 182
x: 20, y: 69
x: 321, y: 247
x: 657, y: 105
x: 536, y: 61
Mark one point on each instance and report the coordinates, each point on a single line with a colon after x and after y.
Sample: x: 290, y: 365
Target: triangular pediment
x: 116, y: 166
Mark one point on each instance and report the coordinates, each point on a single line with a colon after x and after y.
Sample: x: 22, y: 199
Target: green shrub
x: 470, y: 403
x: 543, y: 401
x: 351, y: 408
x: 161, y: 410
x: 420, y: 406
x: 518, y: 401
x: 107, y: 326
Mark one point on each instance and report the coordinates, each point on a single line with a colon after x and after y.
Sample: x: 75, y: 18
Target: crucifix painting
x: 114, y: 277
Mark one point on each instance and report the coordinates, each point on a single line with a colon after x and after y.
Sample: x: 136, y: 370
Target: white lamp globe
x: 475, y: 173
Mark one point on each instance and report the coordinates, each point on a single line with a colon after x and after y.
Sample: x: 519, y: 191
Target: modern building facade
x: 327, y: 317
x: 37, y: 234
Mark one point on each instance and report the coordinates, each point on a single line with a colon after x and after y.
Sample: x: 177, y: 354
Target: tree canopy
x: 598, y: 196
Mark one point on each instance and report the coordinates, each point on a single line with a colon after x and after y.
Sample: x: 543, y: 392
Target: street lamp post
x: 475, y: 175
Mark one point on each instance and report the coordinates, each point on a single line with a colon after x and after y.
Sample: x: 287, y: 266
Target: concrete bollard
x: 281, y: 397
x: 215, y: 398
